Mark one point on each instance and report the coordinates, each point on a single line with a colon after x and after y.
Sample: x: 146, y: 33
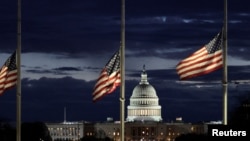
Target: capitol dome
x: 144, y: 102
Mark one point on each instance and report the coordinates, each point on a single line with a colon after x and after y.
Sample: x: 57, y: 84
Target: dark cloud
x: 54, y: 71
x: 38, y: 71
x: 166, y: 29
x: 84, y: 26
x: 67, y: 69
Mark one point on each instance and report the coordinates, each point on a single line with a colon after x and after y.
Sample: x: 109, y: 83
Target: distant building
x: 143, y: 122
x: 134, y: 131
x: 66, y: 131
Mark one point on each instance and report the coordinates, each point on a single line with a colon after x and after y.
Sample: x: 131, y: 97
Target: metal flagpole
x: 225, y: 83
x: 18, y: 62
x: 122, y: 66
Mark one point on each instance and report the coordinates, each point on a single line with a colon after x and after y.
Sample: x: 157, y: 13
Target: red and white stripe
x: 8, y: 79
x: 106, y: 84
x: 199, y: 63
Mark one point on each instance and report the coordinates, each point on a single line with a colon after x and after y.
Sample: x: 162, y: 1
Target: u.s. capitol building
x: 143, y: 122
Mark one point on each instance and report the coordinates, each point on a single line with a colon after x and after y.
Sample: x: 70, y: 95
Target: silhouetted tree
x: 7, y: 132
x: 192, y: 137
x: 37, y: 131
x: 241, y: 115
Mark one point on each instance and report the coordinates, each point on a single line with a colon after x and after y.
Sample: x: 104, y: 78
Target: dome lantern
x: 144, y: 79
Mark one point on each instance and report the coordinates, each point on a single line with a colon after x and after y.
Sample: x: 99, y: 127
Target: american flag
x: 8, y: 74
x: 205, y: 60
x: 109, y: 78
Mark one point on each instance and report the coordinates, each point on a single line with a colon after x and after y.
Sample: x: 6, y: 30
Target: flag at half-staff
x: 8, y: 74
x: 205, y: 60
x: 109, y: 78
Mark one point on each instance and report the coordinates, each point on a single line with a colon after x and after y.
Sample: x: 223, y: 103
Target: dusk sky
x: 65, y: 44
